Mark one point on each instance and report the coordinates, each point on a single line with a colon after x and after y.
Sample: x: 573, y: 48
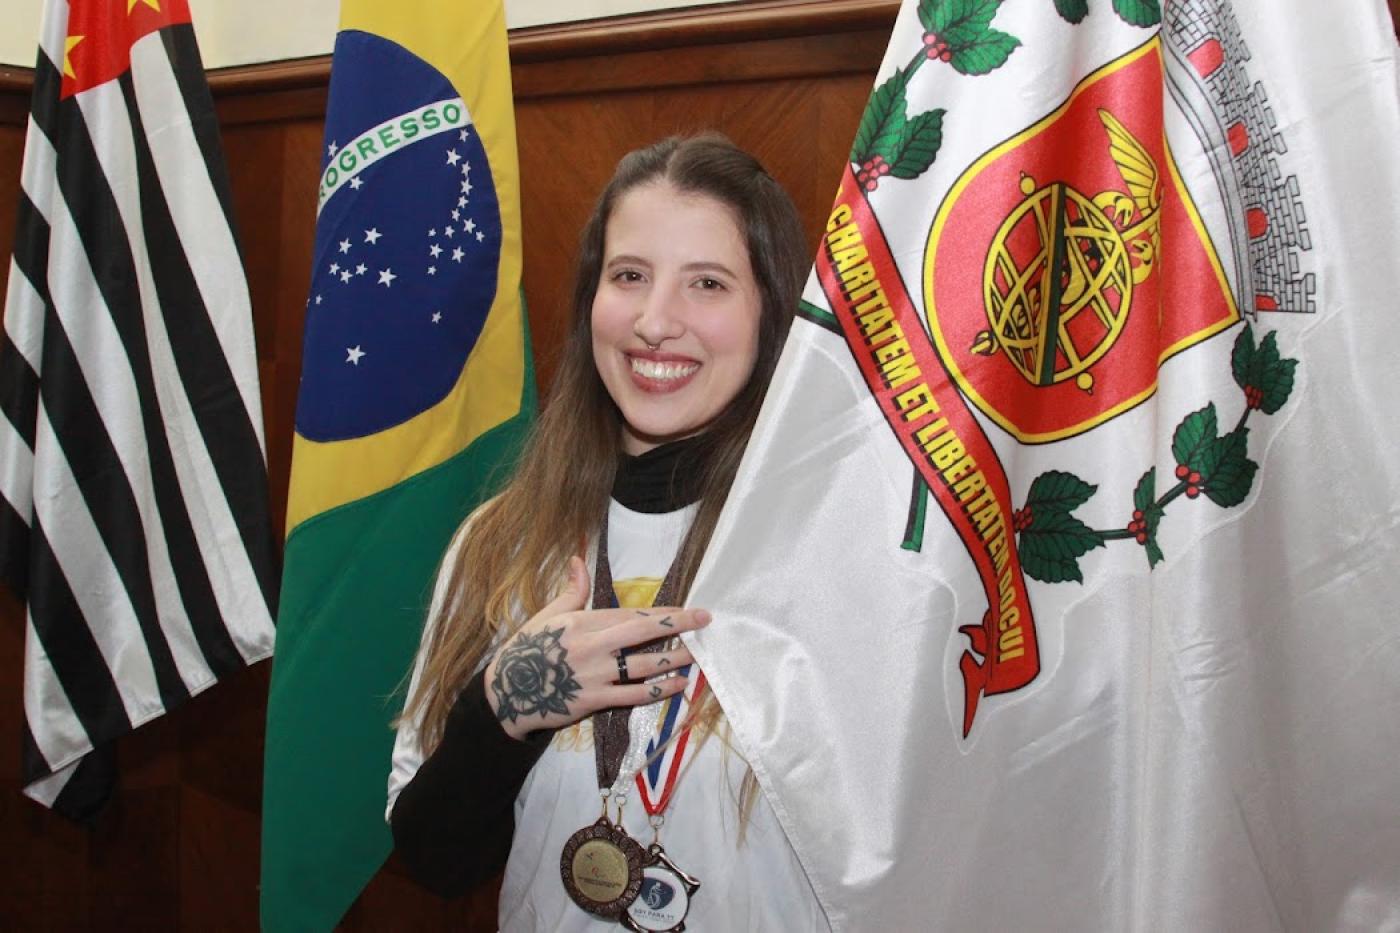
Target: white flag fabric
x: 134, y: 520
x: 1058, y: 587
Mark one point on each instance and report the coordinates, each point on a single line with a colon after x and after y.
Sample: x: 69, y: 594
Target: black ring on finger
x: 622, y: 677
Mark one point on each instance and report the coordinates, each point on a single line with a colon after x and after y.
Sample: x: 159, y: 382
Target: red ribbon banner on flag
x: 937, y: 430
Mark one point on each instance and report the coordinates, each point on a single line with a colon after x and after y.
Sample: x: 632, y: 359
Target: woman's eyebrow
x: 707, y: 266
x: 627, y: 259
x: 703, y: 265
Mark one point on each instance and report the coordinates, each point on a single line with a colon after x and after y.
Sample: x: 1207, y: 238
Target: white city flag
x: 1058, y: 587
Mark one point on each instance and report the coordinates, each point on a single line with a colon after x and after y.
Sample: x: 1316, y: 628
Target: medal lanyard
x: 611, y: 728
x: 604, y: 870
x: 670, y: 761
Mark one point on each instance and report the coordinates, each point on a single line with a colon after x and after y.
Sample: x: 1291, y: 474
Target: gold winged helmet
x: 1139, y: 173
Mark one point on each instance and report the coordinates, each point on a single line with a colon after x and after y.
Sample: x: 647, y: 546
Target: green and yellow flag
x: 416, y: 389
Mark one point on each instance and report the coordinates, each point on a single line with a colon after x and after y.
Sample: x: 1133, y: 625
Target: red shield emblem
x: 1068, y: 262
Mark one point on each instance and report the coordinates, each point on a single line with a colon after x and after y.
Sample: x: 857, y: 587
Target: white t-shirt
x: 754, y: 885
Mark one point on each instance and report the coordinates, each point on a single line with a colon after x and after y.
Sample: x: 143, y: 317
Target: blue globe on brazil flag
x: 408, y: 243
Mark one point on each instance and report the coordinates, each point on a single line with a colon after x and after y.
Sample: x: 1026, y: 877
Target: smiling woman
x: 192, y: 782
x: 675, y: 319
x: 575, y: 685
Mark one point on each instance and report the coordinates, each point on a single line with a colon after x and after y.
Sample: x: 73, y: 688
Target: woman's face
x: 675, y: 318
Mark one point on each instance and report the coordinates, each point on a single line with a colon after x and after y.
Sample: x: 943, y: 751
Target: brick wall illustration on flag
x: 1099, y: 279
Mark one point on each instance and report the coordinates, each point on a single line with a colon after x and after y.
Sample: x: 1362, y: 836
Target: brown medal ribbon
x: 602, y: 867
x: 610, y: 734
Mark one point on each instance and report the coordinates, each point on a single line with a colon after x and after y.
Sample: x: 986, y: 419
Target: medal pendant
x: 602, y: 869
x: 663, y: 900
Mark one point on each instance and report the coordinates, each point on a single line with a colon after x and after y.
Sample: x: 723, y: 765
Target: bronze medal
x: 663, y: 900
x: 602, y: 869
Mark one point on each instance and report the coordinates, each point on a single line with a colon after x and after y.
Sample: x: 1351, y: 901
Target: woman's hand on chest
x: 568, y: 662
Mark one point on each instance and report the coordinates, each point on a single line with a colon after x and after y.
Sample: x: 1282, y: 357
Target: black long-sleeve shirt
x: 453, y: 822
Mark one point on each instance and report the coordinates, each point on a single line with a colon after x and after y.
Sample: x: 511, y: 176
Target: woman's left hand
x: 568, y: 662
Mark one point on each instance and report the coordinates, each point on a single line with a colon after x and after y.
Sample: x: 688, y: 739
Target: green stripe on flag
x: 353, y: 605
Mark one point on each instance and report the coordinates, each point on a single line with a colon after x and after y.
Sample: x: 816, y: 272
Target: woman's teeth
x: 651, y: 369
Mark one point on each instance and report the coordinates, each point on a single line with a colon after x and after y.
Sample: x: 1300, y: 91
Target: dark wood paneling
x: 178, y: 846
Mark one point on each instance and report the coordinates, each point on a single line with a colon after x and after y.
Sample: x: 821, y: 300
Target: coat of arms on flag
x: 1063, y: 267
x: 1061, y: 259
x: 1095, y: 285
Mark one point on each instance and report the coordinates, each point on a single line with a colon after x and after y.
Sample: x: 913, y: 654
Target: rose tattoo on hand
x: 532, y: 677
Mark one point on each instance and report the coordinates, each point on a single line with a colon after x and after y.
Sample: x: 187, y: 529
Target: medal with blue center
x: 663, y: 901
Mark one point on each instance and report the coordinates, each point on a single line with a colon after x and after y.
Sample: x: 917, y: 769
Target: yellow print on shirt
x: 632, y: 593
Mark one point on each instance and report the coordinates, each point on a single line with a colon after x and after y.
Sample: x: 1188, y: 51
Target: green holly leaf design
x: 918, y: 145
x: 1231, y: 472
x: 1139, y: 12
x: 1145, y: 493
x: 1145, y: 501
x: 1226, y: 472
x: 1242, y: 357
x: 973, y: 47
x: 1261, y: 371
x: 985, y: 54
x: 1275, y: 374
x: 1057, y: 491
x: 1051, y: 547
x: 1072, y: 11
x: 957, y: 22
x: 1194, y: 437
x: 882, y: 125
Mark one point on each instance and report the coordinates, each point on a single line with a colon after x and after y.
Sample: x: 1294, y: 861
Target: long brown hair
x: 515, y: 548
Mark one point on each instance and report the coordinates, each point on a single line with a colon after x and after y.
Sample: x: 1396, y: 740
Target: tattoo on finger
x: 666, y: 623
x: 655, y: 692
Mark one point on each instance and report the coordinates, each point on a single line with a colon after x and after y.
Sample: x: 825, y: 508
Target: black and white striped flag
x: 134, y: 522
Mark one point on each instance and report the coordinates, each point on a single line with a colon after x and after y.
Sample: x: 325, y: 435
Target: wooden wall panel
x: 177, y: 847
x: 273, y: 167
x: 795, y: 127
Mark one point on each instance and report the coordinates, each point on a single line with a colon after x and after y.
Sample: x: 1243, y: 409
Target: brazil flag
x: 416, y: 392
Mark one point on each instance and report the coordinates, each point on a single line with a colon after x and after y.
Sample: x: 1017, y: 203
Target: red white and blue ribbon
x: 656, y: 781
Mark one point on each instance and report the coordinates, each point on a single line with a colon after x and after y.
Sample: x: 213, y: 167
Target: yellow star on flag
x: 68, y: 45
x: 131, y: 5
